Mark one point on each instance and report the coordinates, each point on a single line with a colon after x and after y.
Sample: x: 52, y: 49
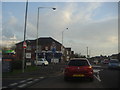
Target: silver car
x: 114, y: 64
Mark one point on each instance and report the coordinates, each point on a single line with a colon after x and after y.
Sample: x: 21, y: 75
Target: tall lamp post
x: 62, y: 41
x: 23, y: 62
x: 38, y: 28
x: 87, y: 52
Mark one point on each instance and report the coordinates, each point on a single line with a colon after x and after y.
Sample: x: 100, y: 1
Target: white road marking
x: 22, y: 81
x: 96, y: 70
x: 41, y: 77
x: 96, y: 66
x: 98, y: 78
x: 30, y: 82
x: 13, y: 84
x: 36, y: 79
x: 22, y: 85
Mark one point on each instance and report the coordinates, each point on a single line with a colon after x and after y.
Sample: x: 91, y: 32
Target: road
x: 106, y: 79
x: 103, y: 78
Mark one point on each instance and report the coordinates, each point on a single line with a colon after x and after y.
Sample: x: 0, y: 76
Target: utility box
x: 7, y: 65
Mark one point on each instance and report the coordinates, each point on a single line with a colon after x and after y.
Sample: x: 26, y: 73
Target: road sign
x: 53, y: 50
x: 53, y: 47
x: 24, y: 45
x: 28, y: 55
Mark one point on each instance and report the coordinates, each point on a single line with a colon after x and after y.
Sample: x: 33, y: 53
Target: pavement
x: 51, y: 69
x: 25, y: 79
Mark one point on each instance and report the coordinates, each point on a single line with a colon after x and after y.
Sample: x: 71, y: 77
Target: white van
x: 41, y: 61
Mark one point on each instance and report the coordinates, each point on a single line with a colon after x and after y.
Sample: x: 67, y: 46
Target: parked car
x: 106, y: 61
x: 114, y: 64
x: 78, y: 68
x: 95, y: 61
x: 41, y: 61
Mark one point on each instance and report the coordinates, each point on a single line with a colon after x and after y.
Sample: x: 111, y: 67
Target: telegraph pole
x: 23, y: 63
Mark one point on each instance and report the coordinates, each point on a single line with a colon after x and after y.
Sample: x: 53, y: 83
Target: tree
x: 79, y: 55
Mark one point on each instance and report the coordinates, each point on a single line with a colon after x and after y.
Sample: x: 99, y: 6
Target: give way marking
x: 96, y: 74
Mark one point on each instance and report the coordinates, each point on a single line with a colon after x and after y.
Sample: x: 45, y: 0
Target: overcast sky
x: 90, y: 24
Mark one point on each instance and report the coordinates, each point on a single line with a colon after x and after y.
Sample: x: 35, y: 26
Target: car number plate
x: 78, y: 75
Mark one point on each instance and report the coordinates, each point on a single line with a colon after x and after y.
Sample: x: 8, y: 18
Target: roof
x: 44, y: 40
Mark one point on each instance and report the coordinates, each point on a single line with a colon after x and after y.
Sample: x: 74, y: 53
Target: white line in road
x: 22, y: 81
x: 41, y: 77
x: 36, y: 79
x: 30, y: 82
x: 13, y: 84
x: 98, y: 78
x: 29, y: 79
x: 95, y: 70
x: 96, y: 66
x: 22, y: 85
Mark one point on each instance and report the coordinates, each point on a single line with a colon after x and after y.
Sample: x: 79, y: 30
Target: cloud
x: 9, y: 30
x: 9, y: 27
x: 70, y: 15
x: 85, y: 12
x: 99, y: 35
x: 31, y: 31
x: 83, y: 30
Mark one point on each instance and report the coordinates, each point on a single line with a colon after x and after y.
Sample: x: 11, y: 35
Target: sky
x: 90, y: 24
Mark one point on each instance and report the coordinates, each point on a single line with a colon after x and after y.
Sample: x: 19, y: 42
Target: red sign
x: 24, y: 45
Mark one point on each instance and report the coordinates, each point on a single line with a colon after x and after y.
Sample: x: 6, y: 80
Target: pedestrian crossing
x: 23, y: 83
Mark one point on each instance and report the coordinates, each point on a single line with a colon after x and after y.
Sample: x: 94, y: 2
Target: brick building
x: 46, y: 47
x: 68, y: 54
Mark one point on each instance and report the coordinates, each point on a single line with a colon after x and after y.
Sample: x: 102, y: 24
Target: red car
x: 78, y: 67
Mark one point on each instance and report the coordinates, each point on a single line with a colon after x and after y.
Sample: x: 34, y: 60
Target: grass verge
x: 16, y: 72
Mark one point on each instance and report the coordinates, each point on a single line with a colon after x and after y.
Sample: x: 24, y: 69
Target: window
x: 78, y: 63
x: 40, y: 59
x: 67, y: 52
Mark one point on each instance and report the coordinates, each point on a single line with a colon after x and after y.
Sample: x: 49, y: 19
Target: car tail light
x: 90, y: 67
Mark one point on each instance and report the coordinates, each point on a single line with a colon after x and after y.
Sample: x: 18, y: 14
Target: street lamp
x: 62, y: 40
x: 62, y: 34
x: 38, y: 28
x: 87, y: 52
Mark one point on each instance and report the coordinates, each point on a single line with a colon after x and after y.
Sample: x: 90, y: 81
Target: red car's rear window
x: 78, y: 63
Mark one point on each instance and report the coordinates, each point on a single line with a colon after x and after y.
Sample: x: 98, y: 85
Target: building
x: 68, y: 54
x: 114, y: 56
x: 47, y: 48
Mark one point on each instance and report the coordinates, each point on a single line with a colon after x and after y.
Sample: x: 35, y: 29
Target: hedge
x: 17, y: 64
